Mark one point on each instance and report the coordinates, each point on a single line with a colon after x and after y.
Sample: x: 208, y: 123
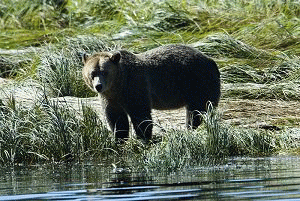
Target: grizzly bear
x: 167, y: 77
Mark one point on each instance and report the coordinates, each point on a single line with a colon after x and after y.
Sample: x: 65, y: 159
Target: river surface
x: 276, y: 178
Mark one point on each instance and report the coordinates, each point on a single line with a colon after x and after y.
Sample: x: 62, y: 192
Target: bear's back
x: 176, y: 73
x: 170, y: 54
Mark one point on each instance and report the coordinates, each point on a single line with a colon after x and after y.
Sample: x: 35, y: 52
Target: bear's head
x: 100, y: 69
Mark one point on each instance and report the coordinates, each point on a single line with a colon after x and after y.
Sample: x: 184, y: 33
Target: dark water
x: 234, y: 179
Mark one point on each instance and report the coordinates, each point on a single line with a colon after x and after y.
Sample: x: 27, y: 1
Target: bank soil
x: 260, y: 114
x: 270, y: 114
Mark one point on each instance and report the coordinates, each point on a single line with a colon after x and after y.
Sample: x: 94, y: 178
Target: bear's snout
x: 99, y: 87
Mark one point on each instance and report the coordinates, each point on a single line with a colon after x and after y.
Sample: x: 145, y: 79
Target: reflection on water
x: 235, y: 179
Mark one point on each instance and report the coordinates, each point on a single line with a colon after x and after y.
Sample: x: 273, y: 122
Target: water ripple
x: 242, y: 179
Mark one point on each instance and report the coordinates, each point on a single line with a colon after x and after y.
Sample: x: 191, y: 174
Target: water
x: 234, y: 179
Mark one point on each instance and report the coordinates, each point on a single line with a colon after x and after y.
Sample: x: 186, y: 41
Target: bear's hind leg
x: 118, y: 121
x: 193, y: 116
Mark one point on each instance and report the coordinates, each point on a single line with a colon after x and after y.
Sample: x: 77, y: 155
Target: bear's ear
x: 115, y: 57
x: 84, y: 57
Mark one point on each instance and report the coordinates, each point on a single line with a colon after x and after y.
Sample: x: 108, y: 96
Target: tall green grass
x: 34, y: 14
x: 48, y: 131
x: 214, y: 141
x: 278, y: 81
x: 263, y: 23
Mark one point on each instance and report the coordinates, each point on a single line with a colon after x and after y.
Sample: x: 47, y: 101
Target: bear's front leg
x: 142, y: 123
x: 118, y: 120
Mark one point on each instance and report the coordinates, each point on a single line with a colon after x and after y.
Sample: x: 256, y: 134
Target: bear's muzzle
x: 98, y: 86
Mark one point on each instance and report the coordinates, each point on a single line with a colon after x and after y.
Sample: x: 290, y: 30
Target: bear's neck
x: 117, y: 87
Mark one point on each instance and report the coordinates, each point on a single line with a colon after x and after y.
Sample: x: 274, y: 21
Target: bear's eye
x: 97, y: 73
x: 93, y: 74
x: 103, y: 73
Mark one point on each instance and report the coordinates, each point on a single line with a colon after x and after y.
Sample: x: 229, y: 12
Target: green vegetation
x: 256, y: 44
x: 213, y: 141
x: 51, y: 132
x: 47, y: 131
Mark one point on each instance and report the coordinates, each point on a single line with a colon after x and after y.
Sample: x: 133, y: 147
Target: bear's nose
x: 98, y: 87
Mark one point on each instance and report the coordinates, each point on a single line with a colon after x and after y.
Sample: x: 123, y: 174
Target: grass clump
x: 287, y: 91
x: 176, y: 149
x: 242, y: 74
x: 14, y: 65
x: 213, y: 141
x: 226, y: 46
x: 279, y: 82
x: 48, y: 131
